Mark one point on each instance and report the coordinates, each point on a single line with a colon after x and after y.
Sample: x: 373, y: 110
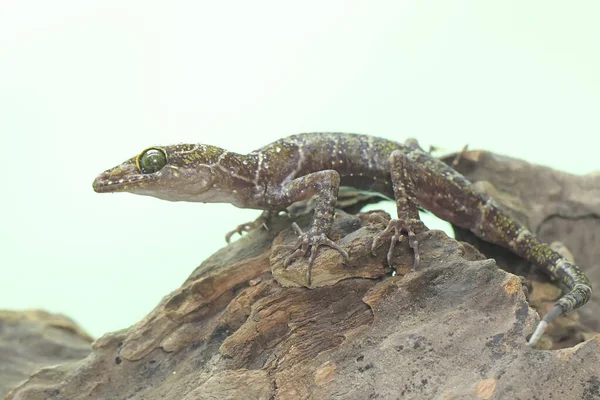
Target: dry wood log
x: 244, y: 327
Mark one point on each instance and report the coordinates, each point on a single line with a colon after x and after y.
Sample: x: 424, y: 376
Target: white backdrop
x: 87, y: 84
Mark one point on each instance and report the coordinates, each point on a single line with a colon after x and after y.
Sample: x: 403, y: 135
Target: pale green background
x: 86, y: 84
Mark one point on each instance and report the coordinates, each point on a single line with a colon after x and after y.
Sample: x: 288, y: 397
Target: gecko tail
x: 578, y: 296
x: 554, y: 313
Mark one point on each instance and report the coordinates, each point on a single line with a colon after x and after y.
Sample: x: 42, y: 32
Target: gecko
x: 315, y: 165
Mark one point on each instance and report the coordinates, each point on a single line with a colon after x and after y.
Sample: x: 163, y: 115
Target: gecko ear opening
x: 151, y: 160
x: 202, y: 180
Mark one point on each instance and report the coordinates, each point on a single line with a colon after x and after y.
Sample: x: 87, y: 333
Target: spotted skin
x: 316, y: 165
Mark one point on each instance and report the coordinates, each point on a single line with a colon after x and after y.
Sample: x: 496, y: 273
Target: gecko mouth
x: 122, y: 178
x: 110, y: 184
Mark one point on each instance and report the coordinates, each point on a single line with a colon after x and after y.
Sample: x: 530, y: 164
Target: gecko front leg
x: 324, y: 186
x: 408, y: 221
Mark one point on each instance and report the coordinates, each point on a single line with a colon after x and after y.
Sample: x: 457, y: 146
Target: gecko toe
x: 240, y: 229
x: 378, y: 238
x: 296, y: 254
x: 308, y: 243
x: 398, y: 229
x: 259, y: 223
x: 324, y: 240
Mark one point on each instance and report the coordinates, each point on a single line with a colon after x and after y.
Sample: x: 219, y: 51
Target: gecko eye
x: 152, y: 160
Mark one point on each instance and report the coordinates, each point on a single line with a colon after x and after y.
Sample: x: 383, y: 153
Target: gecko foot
x: 396, y: 228
x: 308, y: 240
x: 261, y: 221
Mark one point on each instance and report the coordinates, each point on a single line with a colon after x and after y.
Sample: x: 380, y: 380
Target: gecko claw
x: 260, y: 222
x: 239, y: 230
x: 308, y: 240
x: 397, y: 228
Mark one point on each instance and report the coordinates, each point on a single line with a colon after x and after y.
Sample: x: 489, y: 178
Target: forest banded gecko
x: 317, y: 164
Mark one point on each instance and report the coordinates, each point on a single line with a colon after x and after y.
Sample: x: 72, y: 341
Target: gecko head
x: 176, y: 173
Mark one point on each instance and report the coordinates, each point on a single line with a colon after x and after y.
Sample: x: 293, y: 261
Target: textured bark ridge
x: 244, y: 327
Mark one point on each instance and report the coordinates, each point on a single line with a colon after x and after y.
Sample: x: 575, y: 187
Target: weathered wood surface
x: 244, y: 327
x: 32, y: 339
x: 558, y: 207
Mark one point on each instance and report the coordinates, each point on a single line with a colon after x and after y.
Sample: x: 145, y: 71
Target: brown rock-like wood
x: 32, y: 339
x: 244, y: 327
x: 562, y: 209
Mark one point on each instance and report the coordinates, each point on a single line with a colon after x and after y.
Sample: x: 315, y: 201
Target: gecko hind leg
x: 408, y: 221
x: 450, y: 196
